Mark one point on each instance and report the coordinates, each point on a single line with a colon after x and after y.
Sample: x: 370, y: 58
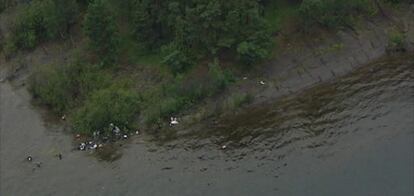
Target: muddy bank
x: 358, y: 140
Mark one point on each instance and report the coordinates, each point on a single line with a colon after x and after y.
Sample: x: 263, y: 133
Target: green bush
x: 9, y: 48
x: 100, y: 27
x: 111, y: 105
x: 50, y: 87
x: 43, y: 20
x: 63, y: 87
x: 331, y: 13
x: 218, y: 79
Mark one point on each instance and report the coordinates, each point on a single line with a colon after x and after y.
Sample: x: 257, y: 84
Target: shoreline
x: 302, y: 65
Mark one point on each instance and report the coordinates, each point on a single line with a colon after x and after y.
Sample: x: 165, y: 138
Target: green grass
x: 396, y: 39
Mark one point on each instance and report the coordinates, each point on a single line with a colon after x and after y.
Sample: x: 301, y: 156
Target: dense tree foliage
x: 100, y: 27
x: 332, y: 13
x: 43, y: 20
x: 188, y: 31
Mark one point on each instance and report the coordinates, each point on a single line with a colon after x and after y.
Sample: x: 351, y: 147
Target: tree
x: 100, y: 27
x: 192, y: 30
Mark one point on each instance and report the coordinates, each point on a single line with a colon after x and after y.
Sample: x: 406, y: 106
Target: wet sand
x: 354, y: 136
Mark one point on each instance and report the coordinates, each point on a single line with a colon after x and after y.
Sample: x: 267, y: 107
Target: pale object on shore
x: 173, y: 121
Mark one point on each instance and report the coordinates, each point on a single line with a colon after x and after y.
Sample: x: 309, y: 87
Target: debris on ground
x: 82, y: 146
x: 116, y: 130
x: 100, y: 137
x: 173, y: 121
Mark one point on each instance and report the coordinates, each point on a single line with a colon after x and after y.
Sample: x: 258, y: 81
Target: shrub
x: 9, y: 48
x: 111, y: 105
x: 100, y: 27
x: 218, y: 78
x: 50, y: 87
x: 43, y: 20
x: 62, y: 87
